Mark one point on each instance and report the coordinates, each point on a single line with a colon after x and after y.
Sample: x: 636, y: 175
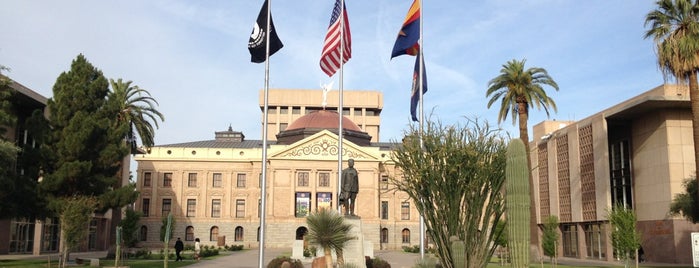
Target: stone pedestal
x: 297, y: 250
x: 354, y: 249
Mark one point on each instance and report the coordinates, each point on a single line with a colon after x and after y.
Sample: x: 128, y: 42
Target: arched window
x: 144, y: 233
x: 384, y: 235
x: 189, y: 233
x: 301, y: 232
x: 406, y: 236
x: 239, y: 233
x: 213, y: 233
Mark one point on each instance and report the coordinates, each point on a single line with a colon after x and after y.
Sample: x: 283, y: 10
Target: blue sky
x: 192, y: 55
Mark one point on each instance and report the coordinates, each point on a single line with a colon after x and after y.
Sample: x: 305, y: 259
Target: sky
x: 192, y: 56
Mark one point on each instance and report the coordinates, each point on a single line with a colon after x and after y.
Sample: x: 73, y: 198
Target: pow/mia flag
x: 258, y: 38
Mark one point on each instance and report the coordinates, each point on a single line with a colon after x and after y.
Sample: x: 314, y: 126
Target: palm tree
x: 137, y: 109
x: 674, y: 27
x: 328, y: 230
x: 518, y: 89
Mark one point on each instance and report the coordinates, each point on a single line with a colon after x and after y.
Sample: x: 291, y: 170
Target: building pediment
x: 324, y: 146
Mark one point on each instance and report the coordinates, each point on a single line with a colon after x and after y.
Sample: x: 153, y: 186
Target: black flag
x: 256, y: 45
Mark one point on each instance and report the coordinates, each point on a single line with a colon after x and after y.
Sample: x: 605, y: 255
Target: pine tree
x: 85, y: 149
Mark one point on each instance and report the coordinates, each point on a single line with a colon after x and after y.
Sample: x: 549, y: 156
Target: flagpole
x: 422, y: 117
x: 263, y: 187
x: 340, y: 108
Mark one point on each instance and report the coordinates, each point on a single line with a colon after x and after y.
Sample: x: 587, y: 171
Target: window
x: 569, y: 240
x: 143, y: 235
x: 296, y: 110
x: 189, y: 233
x: 303, y: 204
x: 240, y: 181
x: 283, y: 126
x: 216, y: 208
x: 145, y: 207
x: 218, y: 180
x: 167, y: 180
x: 147, y: 177
x: 384, y: 182
x: 324, y: 179
x: 302, y: 178
x: 405, y: 211
x: 167, y: 206
x: 191, y: 207
x: 238, y: 233
x: 384, y: 235
x: 213, y: 234
x: 259, y: 208
x: 283, y: 110
x: 384, y: 210
x: 406, y: 236
x: 192, y: 181
x: 619, y: 158
x: 324, y: 201
x: 240, y: 208
x: 595, y: 240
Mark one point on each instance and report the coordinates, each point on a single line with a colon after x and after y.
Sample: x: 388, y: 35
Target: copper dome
x: 322, y: 119
x: 317, y: 121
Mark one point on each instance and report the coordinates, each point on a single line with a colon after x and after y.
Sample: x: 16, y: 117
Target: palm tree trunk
x: 533, y: 227
x: 694, y: 102
x: 328, y: 257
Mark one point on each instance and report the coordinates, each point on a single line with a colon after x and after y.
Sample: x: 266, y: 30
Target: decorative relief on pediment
x: 166, y: 193
x: 322, y: 147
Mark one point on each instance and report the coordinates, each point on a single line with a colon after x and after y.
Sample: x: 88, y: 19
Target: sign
x: 695, y: 249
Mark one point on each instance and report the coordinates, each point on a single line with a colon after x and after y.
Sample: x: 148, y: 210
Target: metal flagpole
x: 339, y: 106
x: 422, y: 119
x: 263, y: 187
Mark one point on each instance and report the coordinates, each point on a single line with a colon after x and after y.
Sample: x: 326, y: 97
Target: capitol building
x: 213, y: 187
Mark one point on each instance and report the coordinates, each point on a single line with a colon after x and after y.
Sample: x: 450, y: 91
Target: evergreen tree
x: 85, y: 148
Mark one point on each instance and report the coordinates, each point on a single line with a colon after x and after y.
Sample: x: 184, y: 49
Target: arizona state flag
x: 409, y: 34
x: 258, y: 38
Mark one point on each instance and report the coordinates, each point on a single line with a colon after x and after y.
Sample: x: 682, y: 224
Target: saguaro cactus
x: 517, y: 203
x: 458, y: 250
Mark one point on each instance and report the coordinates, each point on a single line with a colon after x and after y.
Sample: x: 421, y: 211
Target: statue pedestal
x: 354, y: 249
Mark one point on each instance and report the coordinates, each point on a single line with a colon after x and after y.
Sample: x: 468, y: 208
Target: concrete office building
x: 636, y: 153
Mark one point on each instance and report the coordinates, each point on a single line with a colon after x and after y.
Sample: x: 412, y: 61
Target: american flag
x: 330, y: 58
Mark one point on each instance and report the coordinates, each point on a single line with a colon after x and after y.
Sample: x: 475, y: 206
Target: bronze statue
x: 350, y: 187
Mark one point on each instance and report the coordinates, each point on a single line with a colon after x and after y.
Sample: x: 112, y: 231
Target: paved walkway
x: 249, y: 258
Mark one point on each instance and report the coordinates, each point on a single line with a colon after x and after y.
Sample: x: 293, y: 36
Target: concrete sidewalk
x: 250, y: 259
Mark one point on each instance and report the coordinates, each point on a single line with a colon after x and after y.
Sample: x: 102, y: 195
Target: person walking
x: 179, y: 246
x: 197, y: 249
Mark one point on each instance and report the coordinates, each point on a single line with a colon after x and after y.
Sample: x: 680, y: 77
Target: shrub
x: 379, y: 263
x: 412, y: 249
x: 235, y: 247
x: 277, y: 262
x: 310, y: 251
